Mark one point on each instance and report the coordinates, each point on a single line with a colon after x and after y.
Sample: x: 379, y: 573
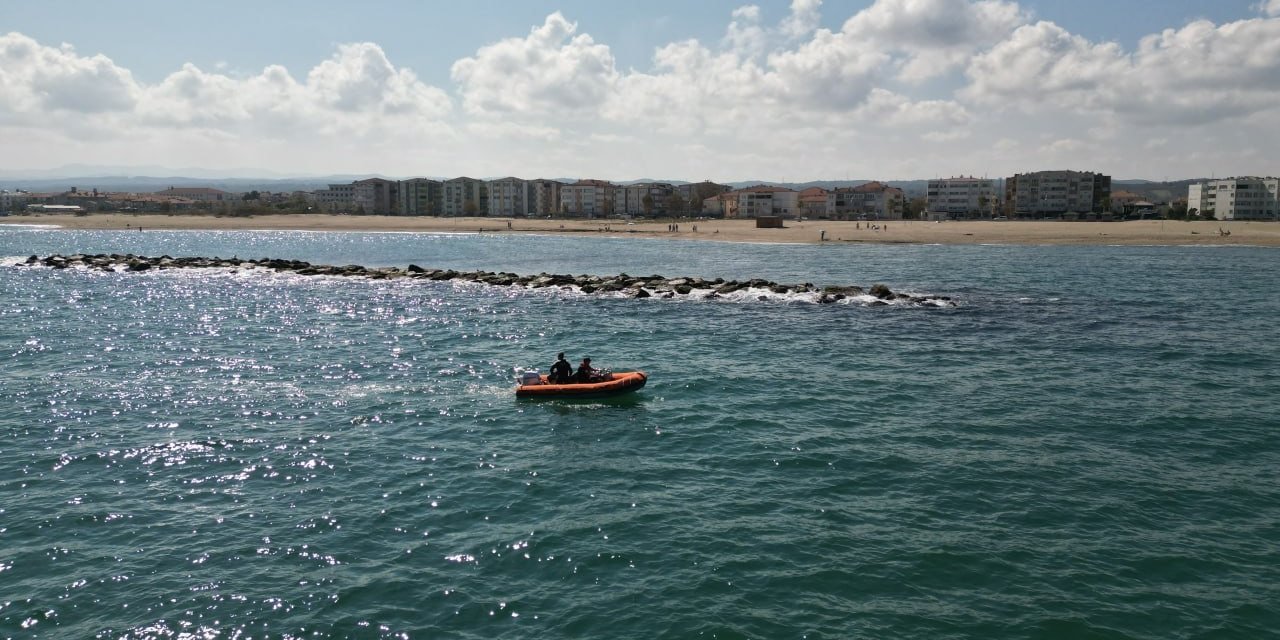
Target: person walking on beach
x: 561, y: 371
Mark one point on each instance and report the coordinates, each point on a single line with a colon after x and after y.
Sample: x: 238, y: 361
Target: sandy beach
x: 1146, y: 232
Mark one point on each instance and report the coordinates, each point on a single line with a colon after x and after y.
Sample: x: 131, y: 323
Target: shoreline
x: 968, y: 232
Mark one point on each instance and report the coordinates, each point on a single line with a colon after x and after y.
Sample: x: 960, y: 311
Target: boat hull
x: 620, y: 383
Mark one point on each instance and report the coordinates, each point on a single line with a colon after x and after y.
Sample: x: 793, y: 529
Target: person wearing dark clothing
x: 586, y: 373
x: 561, y: 371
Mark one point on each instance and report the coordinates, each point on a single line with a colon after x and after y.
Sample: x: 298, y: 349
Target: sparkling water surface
x: 1086, y: 446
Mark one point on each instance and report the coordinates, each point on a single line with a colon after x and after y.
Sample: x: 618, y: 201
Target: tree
x: 915, y: 208
x: 252, y: 195
x: 1178, y: 211
x: 676, y: 203
x: 646, y: 203
x: 1208, y: 214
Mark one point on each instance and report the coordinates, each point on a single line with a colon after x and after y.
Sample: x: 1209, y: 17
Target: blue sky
x: 451, y: 88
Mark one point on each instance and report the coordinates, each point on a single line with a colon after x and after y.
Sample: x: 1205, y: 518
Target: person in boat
x: 561, y: 371
x: 586, y: 373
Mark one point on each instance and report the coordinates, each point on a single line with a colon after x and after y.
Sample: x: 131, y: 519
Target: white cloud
x: 766, y: 100
x: 549, y: 71
x: 934, y: 36
x: 39, y: 79
x: 744, y: 34
x: 1198, y: 74
x: 356, y: 90
x: 804, y: 18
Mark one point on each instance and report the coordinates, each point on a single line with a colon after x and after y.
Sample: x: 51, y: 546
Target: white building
x: 337, y: 198
x: 587, y: 198
x: 509, y: 197
x: 12, y: 201
x: 763, y: 200
x: 465, y: 197
x: 1246, y: 198
x: 199, y: 194
x: 962, y: 197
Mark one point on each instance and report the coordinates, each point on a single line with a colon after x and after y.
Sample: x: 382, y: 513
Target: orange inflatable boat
x: 618, y: 382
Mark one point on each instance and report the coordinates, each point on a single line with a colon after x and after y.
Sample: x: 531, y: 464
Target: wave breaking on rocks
x: 621, y: 285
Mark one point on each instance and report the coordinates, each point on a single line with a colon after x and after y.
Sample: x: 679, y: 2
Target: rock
x: 881, y: 291
x: 683, y: 289
x: 641, y: 293
x: 413, y: 268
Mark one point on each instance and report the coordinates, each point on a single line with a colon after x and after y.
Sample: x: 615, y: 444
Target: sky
x: 788, y: 90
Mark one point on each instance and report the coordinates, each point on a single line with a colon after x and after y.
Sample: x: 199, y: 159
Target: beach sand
x: 1146, y: 232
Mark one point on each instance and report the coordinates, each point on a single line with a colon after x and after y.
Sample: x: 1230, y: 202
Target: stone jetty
x: 621, y: 284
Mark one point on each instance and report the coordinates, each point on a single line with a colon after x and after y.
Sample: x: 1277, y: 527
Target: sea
x: 1084, y: 444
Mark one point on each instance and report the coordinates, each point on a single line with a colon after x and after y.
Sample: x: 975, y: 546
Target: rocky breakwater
x: 621, y: 285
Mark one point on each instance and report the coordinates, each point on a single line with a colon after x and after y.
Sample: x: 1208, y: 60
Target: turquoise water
x: 1086, y: 446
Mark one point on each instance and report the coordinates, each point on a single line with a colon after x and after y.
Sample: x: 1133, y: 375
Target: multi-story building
x: 645, y: 198
x: 724, y: 205
x: 421, y: 197
x: 695, y: 193
x: 465, y: 197
x: 12, y: 201
x: 337, y: 198
x: 874, y: 200
x: 1054, y: 193
x: 544, y: 196
x: 764, y: 200
x: 199, y: 194
x: 587, y: 198
x: 375, y: 196
x: 962, y: 198
x: 508, y: 197
x: 816, y: 202
x: 1244, y: 198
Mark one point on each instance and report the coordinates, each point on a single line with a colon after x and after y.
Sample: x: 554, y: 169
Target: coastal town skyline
x: 779, y: 92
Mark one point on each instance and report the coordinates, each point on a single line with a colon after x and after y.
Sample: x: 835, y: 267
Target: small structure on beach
x: 769, y: 222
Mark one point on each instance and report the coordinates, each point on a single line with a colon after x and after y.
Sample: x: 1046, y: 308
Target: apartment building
x: 421, y: 197
x: 465, y: 197
x: 199, y: 194
x: 958, y: 198
x: 646, y: 198
x: 873, y: 200
x: 337, y: 198
x: 1056, y: 193
x: 544, y: 196
x: 509, y: 197
x: 587, y: 198
x: 764, y: 200
x: 1244, y: 198
x: 375, y: 196
x: 12, y: 201
x: 816, y: 202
